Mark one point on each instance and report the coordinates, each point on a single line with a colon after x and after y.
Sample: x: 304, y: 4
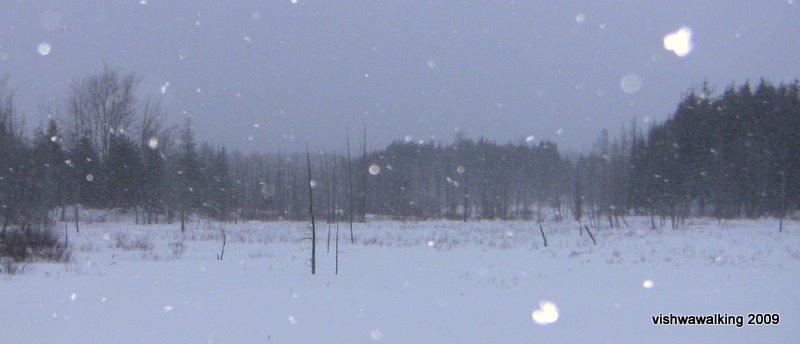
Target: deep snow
x: 406, y: 282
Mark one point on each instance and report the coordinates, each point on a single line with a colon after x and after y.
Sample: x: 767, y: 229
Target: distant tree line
x: 737, y: 154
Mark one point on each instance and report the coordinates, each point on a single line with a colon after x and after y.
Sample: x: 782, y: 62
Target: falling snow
x: 44, y: 48
x: 374, y: 169
x: 376, y: 335
x: 431, y: 63
x: 679, y: 42
x: 630, y: 83
x: 546, y: 314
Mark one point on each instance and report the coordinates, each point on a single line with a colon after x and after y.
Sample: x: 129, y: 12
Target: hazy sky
x: 269, y: 75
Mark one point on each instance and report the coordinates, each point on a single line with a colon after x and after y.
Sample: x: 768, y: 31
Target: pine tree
x: 123, y: 179
x: 153, y: 181
x: 188, y: 174
x: 48, y: 163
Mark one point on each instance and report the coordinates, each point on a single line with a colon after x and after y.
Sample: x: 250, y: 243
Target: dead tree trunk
x: 224, y: 241
x: 77, y: 216
x: 311, y: 211
x: 349, y: 192
x: 364, y: 178
x: 590, y: 234
x: 543, y: 236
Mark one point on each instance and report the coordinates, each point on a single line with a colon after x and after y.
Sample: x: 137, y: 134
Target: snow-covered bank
x: 412, y: 282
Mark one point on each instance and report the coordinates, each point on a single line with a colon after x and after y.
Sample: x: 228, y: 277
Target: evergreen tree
x: 188, y: 175
x: 85, y: 173
x: 123, y: 173
x: 48, y: 163
x: 153, y: 181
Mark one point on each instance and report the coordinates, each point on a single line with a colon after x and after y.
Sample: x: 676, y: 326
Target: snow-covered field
x: 407, y: 282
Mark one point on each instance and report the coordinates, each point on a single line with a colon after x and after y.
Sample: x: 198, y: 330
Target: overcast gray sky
x: 269, y: 75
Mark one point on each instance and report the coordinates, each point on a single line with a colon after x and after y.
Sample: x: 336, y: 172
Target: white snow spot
x: 153, y: 143
x: 559, y: 131
x: 313, y: 183
x: 580, y: 18
x: 89, y: 177
x: 529, y: 139
x: 164, y: 87
x: 547, y: 313
x: 630, y: 83
x: 679, y: 42
x: 374, y: 169
x: 51, y: 20
x: 461, y: 169
x: 647, y: 284
x: 198, y: 90
x: 106, y: 236
x: 268, y: 190
x: 256, y: 125
x: 509, y: 233
x: 431, y: 243
x: 142, y: 2
x: 292, y: 320
x: 103, y: 299
x: 54, y: 138
x: 431, y: 63
x: 247, y: 39
x: 376, y: 334
x: 44, y: 48
x: 167, y: 308
x: 73, y: 297
x: 408, y: 138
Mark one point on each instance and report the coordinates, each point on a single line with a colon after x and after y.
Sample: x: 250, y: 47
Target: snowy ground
x: 412, y: 282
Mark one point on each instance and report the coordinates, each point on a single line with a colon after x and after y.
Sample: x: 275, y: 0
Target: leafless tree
x: 311, y: 212
x: 349, y: 195
x: 100, y: 106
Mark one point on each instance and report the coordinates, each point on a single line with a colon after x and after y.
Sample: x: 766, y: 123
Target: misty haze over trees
x: 730, y: 155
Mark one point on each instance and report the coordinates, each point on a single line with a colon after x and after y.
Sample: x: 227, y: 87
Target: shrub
x: 9, y: 267
x: 126, y: 243
x: 32, y: 244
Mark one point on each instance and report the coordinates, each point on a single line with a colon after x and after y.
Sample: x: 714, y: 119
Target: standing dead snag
x: 350, y: 188
x: 311, y: 211
x: 590, y: 234
x: 224, y: 241
x: 337, y: 246
x: 543, y: 237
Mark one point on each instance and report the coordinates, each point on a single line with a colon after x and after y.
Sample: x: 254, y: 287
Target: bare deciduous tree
x: 100, y: 106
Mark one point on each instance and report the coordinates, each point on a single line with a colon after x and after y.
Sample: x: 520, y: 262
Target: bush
x: 32, y: 244
x: 9, y: 267
x: 124, y: 242
x: 177, y: 248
